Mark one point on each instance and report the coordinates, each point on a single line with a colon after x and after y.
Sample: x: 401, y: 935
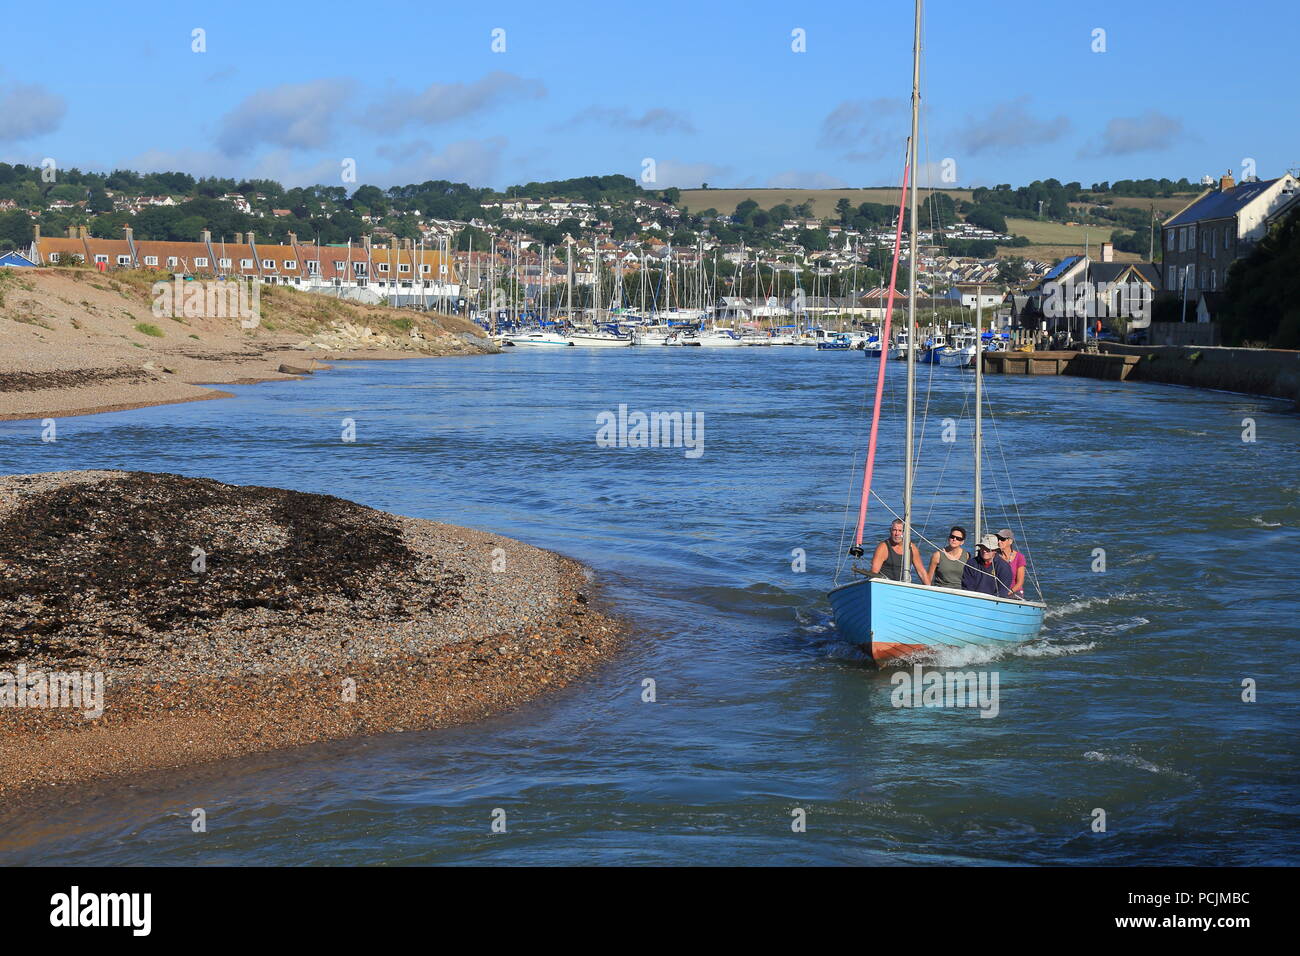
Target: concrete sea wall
x: 1274, y: 372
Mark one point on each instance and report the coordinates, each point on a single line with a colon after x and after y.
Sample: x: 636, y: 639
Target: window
x: 224, y: 263
x: 201, y: 262
x: 291, y: 263
x: 171, y: 262
x: 123, y: 260
x: 54, y: 257
x: 268, y: 263
x: 1214, y: 276
x: 425, y: 268
x: 403, y: 267
x: 1169, y: 239
x: 383, y: 267
x: 245, y: 263
x: 339, y: 265
x: 1191, y: 277
x: 313, y: 267
x: 1191, y: 239
x: 103, y: 259
x: 1225, y: 237
x: 359, y: 268
x: 151, y: 260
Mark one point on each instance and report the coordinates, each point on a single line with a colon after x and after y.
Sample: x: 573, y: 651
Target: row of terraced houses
x: 396, y: 269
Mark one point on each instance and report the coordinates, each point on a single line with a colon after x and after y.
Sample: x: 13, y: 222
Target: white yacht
x: 598, y: 339
x: 544, y: 339
x: 656, y: 335
x: 719, y: 339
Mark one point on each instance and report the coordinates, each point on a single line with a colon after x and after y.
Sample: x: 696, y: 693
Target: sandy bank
x: 75, y: 341
x: 308, y: 618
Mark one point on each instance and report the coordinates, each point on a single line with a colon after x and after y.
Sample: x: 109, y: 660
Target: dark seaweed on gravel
x: 113, y: 557
x: 69, y: 378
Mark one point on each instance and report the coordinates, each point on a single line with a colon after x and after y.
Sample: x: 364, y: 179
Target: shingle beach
x: 230, y: 619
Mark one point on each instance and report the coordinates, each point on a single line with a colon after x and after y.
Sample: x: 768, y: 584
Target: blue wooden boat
x: 897, y: 619
x: 893, y: 619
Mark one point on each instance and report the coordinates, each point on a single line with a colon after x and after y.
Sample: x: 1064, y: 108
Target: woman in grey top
x: 947, y: 565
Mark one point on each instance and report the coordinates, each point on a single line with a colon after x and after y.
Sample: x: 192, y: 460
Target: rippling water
x: 1130, y: 702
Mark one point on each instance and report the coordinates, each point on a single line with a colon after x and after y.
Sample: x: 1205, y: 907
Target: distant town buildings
x: 394, y: 268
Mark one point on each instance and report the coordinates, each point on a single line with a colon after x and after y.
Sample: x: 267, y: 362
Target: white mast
x: 911, y: 305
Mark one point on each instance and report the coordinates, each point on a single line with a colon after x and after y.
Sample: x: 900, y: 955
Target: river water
x: 1130, y: 703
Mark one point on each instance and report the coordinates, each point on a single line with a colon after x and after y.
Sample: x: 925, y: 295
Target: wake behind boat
x: 896, y: 618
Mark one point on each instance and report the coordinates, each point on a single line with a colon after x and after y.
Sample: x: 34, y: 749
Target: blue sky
x: 711, y: 91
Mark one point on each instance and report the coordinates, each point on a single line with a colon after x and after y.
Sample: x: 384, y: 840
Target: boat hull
x: 958, y: 358
x: 894, y: 619
x: 543, y: 342
x: 600, y: 341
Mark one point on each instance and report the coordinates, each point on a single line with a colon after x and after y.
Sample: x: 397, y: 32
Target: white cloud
x: 1136, y: 134
x: 196, y: 162
x: 656, y: 120
x: 444, y: 102
x: 473, y: 161
x: 292, y: 115
x: 865, y: 130
x: 1009, y: 125
x: 28, y: 110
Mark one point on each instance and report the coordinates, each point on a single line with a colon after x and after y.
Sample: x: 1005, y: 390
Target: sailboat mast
x: 979, y: 408
x: 911, y: 305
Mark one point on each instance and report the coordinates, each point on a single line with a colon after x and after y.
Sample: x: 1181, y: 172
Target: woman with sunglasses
x: 1009, y: 554
x: 949, y: 563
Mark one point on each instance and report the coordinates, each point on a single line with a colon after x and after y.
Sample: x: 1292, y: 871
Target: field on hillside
x: 1056, y: 240
x: 1053, y: 252
x: 824, y: 200
x: 1056, y: 233
x: 1164, y: 206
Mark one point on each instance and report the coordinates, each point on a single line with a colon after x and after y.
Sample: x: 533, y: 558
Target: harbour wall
x: 1274, y: 372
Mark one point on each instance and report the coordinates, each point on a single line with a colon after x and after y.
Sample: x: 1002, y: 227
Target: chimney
x: 365, y: 242
x: 1225, y: 182
x: 205, y: 236
x: 127, y: 233
x: 37, y: 236
x: 84, y: 232
x: 239, y: 238
x: 72, y: 232
x: 1107, y: 252
x: 293, y: 238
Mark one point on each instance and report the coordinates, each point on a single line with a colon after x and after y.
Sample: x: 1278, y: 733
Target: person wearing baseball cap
x: 1016, y: 560
x: 988, y: 573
